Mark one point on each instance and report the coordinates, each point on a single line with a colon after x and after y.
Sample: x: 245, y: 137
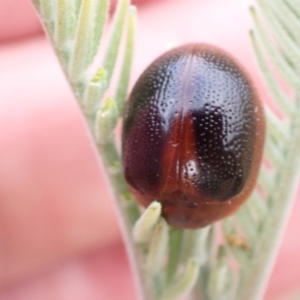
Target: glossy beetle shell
x: 193, y: 135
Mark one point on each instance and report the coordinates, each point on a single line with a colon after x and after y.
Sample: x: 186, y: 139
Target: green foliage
x: 170, y: 262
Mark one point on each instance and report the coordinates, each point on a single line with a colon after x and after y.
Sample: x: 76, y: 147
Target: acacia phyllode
x: 193, y: 135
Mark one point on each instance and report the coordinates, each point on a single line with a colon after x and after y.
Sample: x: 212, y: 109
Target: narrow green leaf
x: 158, y: 248
x: 282, y: 13
x: 174, y: 253
x: 94, y: 92
x: 102, y: 8
x: 185, y: 283
x: 82, y: 49
x: 206, y: 254
x: 294, y: 7
x: 240, y: 254
x: 36, y: 3
x: 280, y: 128
x: 65, y: 23
x: 277, y: 59
x: 283, y: 101
x: 260, y: 205
x: 144, y: 226
x: 247, y: 224
x: 266, y: 179
x: 47, y: 9
x: 127, y: 60
x: 194, y: 244
x: 221, y: 280
x: 115, y: 38
x: 257, y: 208
x: 284, y: 40
x: 106, y: 120
x: 275, y: 156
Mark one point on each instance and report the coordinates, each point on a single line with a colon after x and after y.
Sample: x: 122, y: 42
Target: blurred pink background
x: 59, y: 238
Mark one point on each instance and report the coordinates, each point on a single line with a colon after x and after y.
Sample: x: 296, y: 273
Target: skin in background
x: 59, y: 237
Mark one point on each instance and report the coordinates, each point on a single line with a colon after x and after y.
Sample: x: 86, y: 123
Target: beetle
x: 193, y: 135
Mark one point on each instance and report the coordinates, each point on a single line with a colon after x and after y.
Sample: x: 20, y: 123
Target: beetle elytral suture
x: 193, y: 135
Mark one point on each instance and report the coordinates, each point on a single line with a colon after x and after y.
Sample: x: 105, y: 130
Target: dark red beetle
x: 193, y: 135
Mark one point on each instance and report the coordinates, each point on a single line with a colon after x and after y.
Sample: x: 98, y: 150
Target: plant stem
x: 255, y: 279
